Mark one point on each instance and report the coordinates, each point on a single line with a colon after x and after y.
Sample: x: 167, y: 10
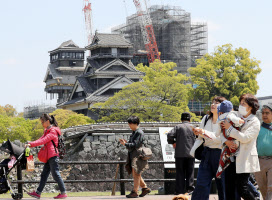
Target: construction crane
x: 147, y: 32
x: 88, y: 20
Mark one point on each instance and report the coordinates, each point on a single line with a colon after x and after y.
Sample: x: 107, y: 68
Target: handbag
x: 30, y: 164
x: 199, y: 150
x: 42, y: 155
x: 145, y: 153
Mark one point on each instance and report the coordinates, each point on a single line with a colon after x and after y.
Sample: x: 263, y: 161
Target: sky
x: 29, y: 29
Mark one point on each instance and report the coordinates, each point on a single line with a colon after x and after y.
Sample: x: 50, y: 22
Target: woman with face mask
x: 246, y: 161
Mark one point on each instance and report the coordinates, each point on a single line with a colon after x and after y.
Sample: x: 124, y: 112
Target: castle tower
x: 66, y: 62
x: 108, y: 70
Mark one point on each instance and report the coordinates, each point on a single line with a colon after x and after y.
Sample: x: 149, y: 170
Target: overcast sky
x: 29, y: 29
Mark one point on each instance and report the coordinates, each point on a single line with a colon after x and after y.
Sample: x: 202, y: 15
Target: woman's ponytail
x: 54, y: 121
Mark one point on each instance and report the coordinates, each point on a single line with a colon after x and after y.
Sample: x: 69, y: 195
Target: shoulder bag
x: 199, y: 150
x: 145, y: 153
x: 43, y: 154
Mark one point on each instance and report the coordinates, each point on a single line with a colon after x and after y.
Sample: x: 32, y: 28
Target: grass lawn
x: 76, y: 194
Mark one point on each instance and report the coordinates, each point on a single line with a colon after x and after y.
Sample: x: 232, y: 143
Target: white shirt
x: 211, y: 129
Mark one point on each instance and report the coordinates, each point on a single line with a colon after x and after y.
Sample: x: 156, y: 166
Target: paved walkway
x: 148, y: 197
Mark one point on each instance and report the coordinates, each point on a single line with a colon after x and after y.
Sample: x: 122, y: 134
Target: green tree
x: 2, y: 111
x: 21, y: 129
x: 37, y: 129
x: 67, y: 118
x: 161, y: 96
x: 227, y: 72
x: 5, y: 127
x: 8, y: 110
x: 15, y: 128
x: 78, y: 119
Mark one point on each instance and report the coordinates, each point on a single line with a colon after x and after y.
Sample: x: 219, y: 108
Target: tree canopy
x: 15, y: 127
x: 68, y: 118
x: 227, y: 72
x: 162, y: 95
x: 8, y: 110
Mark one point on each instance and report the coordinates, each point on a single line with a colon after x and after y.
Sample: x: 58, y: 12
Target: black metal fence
x: 122, y: 180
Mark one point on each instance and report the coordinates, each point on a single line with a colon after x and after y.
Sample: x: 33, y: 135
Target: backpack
x: 61, y: 146
x: 206, y: 120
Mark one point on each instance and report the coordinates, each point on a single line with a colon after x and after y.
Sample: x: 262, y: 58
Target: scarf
x: 267, y: 126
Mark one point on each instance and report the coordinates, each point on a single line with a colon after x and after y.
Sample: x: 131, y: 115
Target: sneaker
x: 34, y: 194
x: 132, y: 195
x: 61, y: 196
x: 145, y: 191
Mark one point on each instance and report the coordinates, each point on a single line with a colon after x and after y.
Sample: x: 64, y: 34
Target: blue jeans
x: 254, y: 189
x: 206, y: 172
x: 52, y: 166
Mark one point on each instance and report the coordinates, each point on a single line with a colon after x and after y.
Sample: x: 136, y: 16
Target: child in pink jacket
x: 50, y: 136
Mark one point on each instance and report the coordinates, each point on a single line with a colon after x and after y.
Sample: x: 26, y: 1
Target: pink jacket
x: 46, y: 139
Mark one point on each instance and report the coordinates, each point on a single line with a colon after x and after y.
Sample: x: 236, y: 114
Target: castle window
x: 79, y: 56
x: 54, y: 57
x: 123, y: 51
x: 72, y: 63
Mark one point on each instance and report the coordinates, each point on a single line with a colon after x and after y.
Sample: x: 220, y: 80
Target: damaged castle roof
x: 68, y: 45
x: 109, y: 69
x: 93, y: 94
x: 86, y: 85
x: 109, y: 40
x: 57, y: 73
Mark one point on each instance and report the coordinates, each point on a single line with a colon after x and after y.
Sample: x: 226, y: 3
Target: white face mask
x: 242, y: 110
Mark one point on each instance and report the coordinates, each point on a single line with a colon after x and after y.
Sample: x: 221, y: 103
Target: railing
x: 122, y: 180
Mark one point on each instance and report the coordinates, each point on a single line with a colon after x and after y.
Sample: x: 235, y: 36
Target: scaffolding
x: 178, y: 39
x: 35, y: 111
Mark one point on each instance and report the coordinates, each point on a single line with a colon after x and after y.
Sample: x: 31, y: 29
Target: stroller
x: 19, y: 154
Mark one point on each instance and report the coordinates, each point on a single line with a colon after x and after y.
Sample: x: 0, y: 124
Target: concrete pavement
x: 148, y: 197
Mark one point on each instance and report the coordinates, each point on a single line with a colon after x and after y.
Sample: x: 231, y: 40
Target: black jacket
x: 184, y: 138
x: 135, y: 140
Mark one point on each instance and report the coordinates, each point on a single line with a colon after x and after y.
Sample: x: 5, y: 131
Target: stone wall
x: 106, y: 147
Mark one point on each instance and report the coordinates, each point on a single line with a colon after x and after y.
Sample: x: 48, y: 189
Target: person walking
x: 210, y: 155
x: 183, y: 139
x: 50, y: 136
x: 264, y: 141
x: 246, y: 161
x: 135, y: 165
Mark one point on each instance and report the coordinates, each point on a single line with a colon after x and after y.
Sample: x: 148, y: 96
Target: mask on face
x: 242, y: 110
